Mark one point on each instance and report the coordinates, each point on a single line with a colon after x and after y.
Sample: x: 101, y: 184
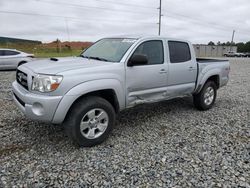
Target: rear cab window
x: 179, y: 52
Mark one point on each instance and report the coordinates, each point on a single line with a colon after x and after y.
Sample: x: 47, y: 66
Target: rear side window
x: 9, y: 52
x: 1, y: 53
x: 153, y: 50
x: 179, y: 52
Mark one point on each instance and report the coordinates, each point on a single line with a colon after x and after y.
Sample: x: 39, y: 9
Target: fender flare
x: 205, y: 76
x: 84, y: 88
x: 21, y: 63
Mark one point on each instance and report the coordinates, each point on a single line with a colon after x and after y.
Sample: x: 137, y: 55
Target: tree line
x: 242, y: 47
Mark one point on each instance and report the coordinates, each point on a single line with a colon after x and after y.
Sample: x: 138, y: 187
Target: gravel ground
x: 168, y: 144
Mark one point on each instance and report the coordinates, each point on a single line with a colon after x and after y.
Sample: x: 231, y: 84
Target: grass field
x: 48, y: 53
x: 42, y: 51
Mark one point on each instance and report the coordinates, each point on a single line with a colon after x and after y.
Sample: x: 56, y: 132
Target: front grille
x: 22, y: 79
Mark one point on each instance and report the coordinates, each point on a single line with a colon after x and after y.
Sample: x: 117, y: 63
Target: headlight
x: 46, y: 83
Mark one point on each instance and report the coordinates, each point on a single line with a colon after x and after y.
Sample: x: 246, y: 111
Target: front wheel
x: 90, y: 121
x: 206, y: 98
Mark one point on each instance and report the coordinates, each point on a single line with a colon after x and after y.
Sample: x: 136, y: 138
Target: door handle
x: 191, y: 68
x: 162, y: 71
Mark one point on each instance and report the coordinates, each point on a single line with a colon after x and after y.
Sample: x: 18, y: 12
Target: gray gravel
x: 168, y: 144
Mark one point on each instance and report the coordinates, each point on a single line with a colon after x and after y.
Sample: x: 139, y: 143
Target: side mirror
x: 138, y: 60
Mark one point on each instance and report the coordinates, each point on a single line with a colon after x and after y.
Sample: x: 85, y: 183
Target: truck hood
x: 59, y: 65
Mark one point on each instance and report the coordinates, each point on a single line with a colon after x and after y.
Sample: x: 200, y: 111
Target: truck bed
x: 205, y: 60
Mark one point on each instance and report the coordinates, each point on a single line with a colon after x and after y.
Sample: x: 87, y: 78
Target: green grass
x: 43, y: 52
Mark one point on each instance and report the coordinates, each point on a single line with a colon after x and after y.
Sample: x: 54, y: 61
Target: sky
x: 199, y: 21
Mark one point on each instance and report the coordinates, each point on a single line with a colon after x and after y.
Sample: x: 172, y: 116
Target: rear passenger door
x: 182, y: 69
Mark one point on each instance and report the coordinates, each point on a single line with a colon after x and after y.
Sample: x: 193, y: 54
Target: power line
x: 72, y: 18
x: 106, y: 20
x: 116, y: 10
x: 200, y: 22
x: 34, y: 14
x: 126, y: 4
x: 91, y: 7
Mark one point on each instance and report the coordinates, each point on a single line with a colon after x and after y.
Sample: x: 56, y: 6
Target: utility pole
x: 232, y: 41
x: 160, y: 15
x: 67, y: 29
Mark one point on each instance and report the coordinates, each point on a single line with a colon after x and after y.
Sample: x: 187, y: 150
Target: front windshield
x: 110, y: 49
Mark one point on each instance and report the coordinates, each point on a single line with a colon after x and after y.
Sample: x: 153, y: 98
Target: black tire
x: 77, y: 112
x: 199, y: 99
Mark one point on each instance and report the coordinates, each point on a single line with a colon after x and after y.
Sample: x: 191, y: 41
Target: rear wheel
x: 90, y: 121
x: 206, y: 98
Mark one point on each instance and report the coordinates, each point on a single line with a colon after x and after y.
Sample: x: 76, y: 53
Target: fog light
x: 38, y: 109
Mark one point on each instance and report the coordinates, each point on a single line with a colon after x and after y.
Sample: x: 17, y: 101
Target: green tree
x: 211, y: 43
x: 247, y: 47
x: 241, y: 47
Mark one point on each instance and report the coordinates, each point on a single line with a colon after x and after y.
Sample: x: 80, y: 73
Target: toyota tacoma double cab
x: 85, y: 93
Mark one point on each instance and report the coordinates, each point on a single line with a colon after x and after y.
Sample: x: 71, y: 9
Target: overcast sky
x: 199, y: 21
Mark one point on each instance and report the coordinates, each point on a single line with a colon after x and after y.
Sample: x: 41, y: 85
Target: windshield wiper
x: 84, y: 56
x: 97, y: 58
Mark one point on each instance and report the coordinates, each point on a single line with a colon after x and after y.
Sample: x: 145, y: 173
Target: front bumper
x: 34, y: 106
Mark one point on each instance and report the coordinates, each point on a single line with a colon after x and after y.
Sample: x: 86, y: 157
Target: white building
x: 203, y: 50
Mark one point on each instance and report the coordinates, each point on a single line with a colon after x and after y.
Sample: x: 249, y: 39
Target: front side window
x: 179, y: 52
x: 153, y: 50
x: 9, y: 52
x: 110, y: 49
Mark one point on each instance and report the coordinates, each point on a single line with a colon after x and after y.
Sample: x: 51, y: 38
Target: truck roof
x: 146, y: 37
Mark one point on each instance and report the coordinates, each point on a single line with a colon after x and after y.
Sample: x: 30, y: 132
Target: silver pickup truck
x: 85, y: 93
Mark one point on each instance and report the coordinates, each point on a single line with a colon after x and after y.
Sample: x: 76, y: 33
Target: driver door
x: 147, y: 83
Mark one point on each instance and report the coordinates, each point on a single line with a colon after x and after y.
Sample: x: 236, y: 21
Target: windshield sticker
x: 129, y: 40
